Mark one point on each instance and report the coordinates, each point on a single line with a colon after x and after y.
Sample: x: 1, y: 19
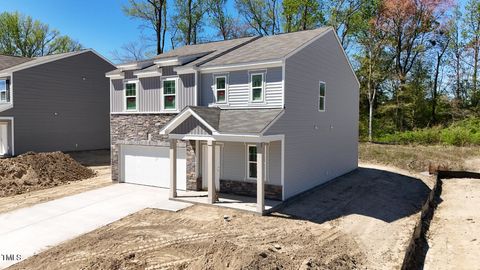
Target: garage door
x: 150, y: 165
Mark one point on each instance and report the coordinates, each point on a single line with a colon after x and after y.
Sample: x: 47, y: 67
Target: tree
x: 471, y: 34
x: 188, y: 20
x: 440, y: 43
x: 133, y: 51
x: 154, y: 15
x: 20, y: 35
x: 261, y: 15
x: 346, y: 17
x: 408, y: 23
x: 456, y: 51
x: 221, y: 19
x: 301, y: 15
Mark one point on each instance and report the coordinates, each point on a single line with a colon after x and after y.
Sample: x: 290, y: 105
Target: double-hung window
x: 321, y: 96
x: 169, y: 94
x: 252, y: 161
x: 4, y: 91
x: 131, y: 96
x: 257, y: 87
x: 221, y: 89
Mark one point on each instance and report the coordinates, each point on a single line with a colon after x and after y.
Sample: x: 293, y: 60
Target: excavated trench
x: 418, y: 247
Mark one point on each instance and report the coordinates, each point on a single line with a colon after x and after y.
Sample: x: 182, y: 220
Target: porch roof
x: 227, y: 121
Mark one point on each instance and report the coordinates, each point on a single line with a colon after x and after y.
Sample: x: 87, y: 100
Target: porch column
x: 173, y: 169
x: 260, y: 178
x: 211, y: 172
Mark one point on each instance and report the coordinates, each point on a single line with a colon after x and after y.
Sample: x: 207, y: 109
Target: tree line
x: 416, y: 60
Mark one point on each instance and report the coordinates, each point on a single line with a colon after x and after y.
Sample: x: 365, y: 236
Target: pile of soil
x: 34, y: 171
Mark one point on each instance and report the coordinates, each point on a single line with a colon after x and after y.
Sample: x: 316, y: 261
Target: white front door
x: 3, y: 139
x: 217, y: 167
x: 150, y: 165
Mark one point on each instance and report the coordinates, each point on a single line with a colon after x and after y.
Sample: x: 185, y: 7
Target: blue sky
x: 97, y: 24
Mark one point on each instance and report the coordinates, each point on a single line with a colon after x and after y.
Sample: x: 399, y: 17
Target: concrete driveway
x: 28, y: 231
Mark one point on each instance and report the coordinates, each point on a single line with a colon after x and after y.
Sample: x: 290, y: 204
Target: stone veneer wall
x: 273, y: 192
x: 143, y: 129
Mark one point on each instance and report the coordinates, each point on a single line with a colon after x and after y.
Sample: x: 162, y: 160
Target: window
x: 169, y: 94
x: 252, y: 161
x: 4, y: 93
x: 221, y: 88
x: 257, y: 87
x: 321, y: 97
x: 131, y: 96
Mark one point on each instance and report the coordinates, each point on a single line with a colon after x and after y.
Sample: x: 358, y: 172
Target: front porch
x: 243, y: 203
x: 229, y: 158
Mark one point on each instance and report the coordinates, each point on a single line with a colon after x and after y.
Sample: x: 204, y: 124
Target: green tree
x: 188, y: 21
x: 301, y: 15
x: 20, y: 35
x: 262, y: 16
x: 154, y: 15
x: 471, y: 34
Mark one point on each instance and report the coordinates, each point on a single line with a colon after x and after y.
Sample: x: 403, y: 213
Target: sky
x: 97, y: 24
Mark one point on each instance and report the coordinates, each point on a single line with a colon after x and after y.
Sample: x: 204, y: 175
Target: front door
x: 3, y: 139
x: 217, y: 167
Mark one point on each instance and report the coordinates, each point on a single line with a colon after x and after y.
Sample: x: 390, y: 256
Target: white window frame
x: 248, y: 162
x: 251, y: 87
x: 175, y: 95
x: 125, y: 96
x: 320, y: 96
x: 6, y: 91
x: 215, y: 77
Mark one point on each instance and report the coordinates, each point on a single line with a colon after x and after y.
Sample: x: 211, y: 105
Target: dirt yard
x: 361, y: 221
x: 454, y: 235
x: 96, y: 161
x: 417, y: 158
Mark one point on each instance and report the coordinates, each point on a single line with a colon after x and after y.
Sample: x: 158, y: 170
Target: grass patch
x: 418, y: 157
x: 462, y: 133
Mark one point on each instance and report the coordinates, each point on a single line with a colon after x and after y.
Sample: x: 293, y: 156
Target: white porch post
x: 260, y: 178
x: 173, y: 168
x: 211, y: 172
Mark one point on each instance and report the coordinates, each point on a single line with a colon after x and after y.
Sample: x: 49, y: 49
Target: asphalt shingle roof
x: 237, y: 121
x: 267, y: 48
x: 10, y: 61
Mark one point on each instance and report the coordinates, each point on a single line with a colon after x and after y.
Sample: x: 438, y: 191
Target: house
x: 54, y: 103
x: 266, y: 116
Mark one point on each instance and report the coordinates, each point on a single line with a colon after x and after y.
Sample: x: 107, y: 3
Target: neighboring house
x: 231, y: 115
x: 54, y: 103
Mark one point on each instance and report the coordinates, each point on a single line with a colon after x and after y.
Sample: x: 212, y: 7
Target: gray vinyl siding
x: 149, y: 92
x: 319, y: 146
x: 234, y: 160
x: 192, y: 126
x: 55, y: 109
x: 238, y: 94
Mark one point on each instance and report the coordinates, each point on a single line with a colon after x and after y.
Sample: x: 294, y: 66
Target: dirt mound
x: 33, y: 171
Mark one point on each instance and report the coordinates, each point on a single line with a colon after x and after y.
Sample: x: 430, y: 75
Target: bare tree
x: 153, y: 13
x: 133, y: 51
x: 261, y: 15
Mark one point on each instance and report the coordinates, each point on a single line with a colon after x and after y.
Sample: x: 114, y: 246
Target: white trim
x: 245, y: 138
x: 324, y: 96
x: 250, y: 82
x: 196, y: 88
x: 12, y: 120
x: 283, y: 84
x: 215, y: 90
x: 162, y: 102
x: 135, y: 65
x: 115, y: 76
x: 41, y: 60
x: 177, y: 120
x: 251, y: 106
x: 247, y: 162
x: 147, y: 74
x: 282, y: 166
x: 125, y: 95
x: 184, y: 70
x: 7, y: 90
x: 242, y: 66
x: 150, y: 112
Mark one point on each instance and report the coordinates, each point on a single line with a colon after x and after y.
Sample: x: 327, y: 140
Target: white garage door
x: 150, y: 165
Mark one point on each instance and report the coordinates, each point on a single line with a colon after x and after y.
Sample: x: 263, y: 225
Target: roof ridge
x: 227, y: 51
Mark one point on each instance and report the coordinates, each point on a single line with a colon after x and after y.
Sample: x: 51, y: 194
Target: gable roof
x: 46, y: 59
x: 221, y: 121
x: 268, y: 47
x: 10, y: 61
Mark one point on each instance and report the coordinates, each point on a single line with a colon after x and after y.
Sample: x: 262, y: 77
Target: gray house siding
x: 319, y: 146
x: 150, y: 93
x: 192, y: 126
x: 234, y: 160
x: 238, y: 94
x: 61, y: 105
